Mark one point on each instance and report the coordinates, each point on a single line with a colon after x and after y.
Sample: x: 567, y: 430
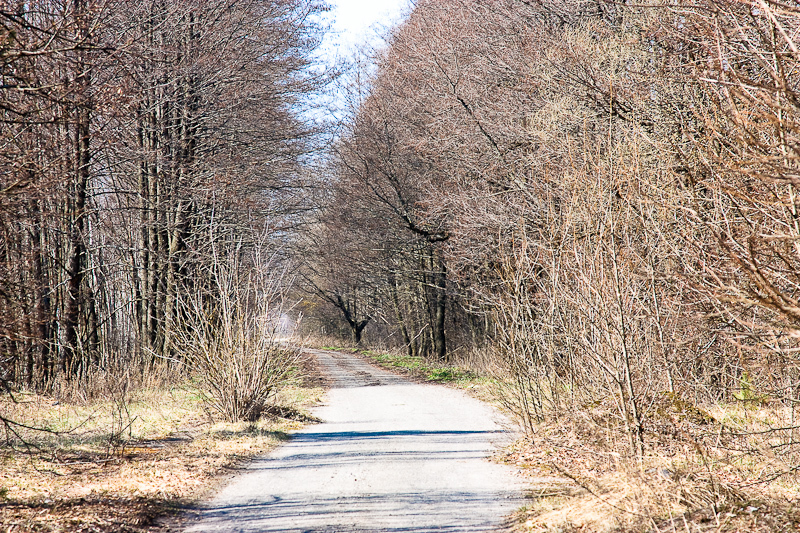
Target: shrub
x: 232, y: 338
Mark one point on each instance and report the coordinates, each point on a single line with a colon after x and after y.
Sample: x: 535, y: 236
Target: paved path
x: 390, y: 456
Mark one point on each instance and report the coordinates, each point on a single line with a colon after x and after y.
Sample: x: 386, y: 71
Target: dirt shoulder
x: 98, y: 478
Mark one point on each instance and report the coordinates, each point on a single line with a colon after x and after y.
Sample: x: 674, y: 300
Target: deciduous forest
x: 592, y: 204
x: 152, y: 164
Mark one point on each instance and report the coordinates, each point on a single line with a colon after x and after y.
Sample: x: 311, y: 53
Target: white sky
x: 356, y: 22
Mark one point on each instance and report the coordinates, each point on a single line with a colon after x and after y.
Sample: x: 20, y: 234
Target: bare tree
x: 135, y: 133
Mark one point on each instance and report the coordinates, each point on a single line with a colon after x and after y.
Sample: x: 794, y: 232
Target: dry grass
x: 689, y: 480
x: 120, y: 472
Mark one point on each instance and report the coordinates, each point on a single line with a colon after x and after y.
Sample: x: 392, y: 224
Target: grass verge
x: 418, y: 369
x: 414, y: 366
x: 122, y: 466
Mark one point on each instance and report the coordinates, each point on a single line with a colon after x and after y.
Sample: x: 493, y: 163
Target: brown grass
x: 98, y: 478
x: 582, y: 480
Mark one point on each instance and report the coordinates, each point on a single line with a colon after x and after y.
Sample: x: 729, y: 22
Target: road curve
x: 390, y: 456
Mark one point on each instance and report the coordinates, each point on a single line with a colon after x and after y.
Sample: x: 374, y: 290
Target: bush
x: 233, y: 341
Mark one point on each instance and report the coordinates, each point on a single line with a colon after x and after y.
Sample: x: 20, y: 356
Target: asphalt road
x: 391, y: 456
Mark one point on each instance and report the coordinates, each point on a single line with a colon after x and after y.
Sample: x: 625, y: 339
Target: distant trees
x: 134, y: 138
x: 339, y: 269
x: 436, y: 137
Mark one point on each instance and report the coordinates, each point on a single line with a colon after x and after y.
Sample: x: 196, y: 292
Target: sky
x: 356, y: 22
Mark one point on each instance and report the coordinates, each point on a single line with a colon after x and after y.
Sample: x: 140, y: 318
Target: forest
x: 593, y: 202
x: 153, y: 160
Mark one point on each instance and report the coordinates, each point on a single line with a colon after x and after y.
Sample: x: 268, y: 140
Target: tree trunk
x: 440, y: 306
x: 77, y: 202
x: 395, y: 289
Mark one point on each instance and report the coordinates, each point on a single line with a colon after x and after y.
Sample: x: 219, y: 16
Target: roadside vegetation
x: 130, y: 464
x: 415, y: 366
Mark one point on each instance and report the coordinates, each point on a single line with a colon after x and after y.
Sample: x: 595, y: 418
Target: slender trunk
x: 77, y: 203
x: 422, y: 344
x: 440, y: 302
x: 152, y: 244
x: 394, y: 288
x: 143, y: 262
x: 636, y: 432
x: 42, y: 311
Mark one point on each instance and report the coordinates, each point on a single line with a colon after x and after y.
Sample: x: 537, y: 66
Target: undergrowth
x: 699, y: 472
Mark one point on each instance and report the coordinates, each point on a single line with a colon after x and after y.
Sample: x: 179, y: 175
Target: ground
x: 137, y: 466
x: 95, y: 477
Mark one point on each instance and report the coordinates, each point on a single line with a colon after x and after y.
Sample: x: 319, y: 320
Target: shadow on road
x: 342, y: 514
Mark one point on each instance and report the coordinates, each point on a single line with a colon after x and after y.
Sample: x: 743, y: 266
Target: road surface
x: 390, y: 456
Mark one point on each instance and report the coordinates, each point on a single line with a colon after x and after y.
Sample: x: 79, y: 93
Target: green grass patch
x: 418, y: 367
